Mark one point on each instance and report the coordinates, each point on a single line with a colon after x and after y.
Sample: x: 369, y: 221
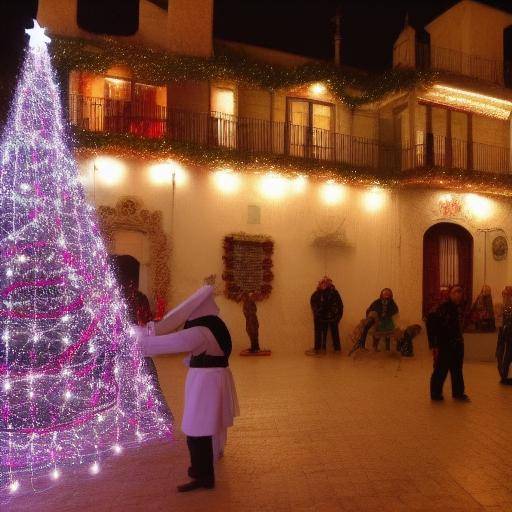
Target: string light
x: 57, y: 303
x: 469, y: 101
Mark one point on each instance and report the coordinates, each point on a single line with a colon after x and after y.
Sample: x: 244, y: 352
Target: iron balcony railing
x: 216, y: 130
x: 455, y: 61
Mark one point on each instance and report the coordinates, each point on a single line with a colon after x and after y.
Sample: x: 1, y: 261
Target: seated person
x: 386, y: 309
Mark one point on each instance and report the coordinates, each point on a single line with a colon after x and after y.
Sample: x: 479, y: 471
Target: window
x: 310, y: 129
x: 223, y: 113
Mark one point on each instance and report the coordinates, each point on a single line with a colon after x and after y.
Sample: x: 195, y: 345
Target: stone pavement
x: 322, y: 434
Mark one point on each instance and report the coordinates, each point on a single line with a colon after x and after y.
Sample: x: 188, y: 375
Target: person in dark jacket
x: 444, y: 331
x: 327, y: 309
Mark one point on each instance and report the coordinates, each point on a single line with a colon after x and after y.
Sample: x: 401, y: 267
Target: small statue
x: 252, y: 326
x: 481, y: 316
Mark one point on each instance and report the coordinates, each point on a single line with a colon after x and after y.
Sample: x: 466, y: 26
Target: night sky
x: 369, y: 28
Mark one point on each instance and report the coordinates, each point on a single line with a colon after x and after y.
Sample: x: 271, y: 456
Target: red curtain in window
x: 432, y: 290
x: 147, y: 118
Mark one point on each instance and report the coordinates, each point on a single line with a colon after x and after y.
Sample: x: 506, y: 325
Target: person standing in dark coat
x: 327, y: 309
x: 444, y: 331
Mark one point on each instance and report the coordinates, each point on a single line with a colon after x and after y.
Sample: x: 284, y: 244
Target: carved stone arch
x: 129, y: 214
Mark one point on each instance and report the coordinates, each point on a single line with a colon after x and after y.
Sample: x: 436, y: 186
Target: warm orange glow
x: 109, y: 170
x: 227, y: 181
x: 332, y: 192
x: 317, y: 88
x: 479, y: 206
x: 164, y: 173
x: 469, y: 101
x: 374, y: 199
x: 273, y: 185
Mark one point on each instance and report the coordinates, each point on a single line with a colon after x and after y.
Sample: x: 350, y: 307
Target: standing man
x: 210, y: 397
x: 444, y: 331
x: 327, y: 309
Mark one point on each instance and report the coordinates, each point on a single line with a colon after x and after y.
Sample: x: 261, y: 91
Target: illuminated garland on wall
x: 152, y: 150
x: 156, y: 67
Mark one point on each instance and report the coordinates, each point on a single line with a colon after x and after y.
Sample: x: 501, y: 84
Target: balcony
x: 460, y: 63
x: 257, y: 136
x: 454, y: 154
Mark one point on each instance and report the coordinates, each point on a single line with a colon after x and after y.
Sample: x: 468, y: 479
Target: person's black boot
x: 192, y: 474
x: 437, y: 398
x: 204, y: 483
x: 506, y: 382
x: 462, y: 398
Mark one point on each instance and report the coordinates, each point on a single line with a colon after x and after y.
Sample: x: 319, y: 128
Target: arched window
x: 112, y: 17
x: 447, y: 260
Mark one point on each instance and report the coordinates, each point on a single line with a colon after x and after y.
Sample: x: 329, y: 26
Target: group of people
x: 327, y: 307
x: 445, y: 326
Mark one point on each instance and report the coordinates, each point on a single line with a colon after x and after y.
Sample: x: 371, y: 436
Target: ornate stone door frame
x: 129, y: 214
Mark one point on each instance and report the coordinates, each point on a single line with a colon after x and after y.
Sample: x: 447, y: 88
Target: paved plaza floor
x: 321, y: 434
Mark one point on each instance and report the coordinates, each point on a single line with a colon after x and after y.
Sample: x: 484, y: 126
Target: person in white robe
x: 210, y: 397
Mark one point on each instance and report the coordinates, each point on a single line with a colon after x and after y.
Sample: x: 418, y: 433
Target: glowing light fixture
x: 332, y: 192
x: 273, y: 186
x: 469, y: 101
x: 227, y: 181
x: 110, y: 171
x: 479, y: 206
x: 299, y: 184
x: 317, y: 88
x: 162, y: 173
x: 374, y: 199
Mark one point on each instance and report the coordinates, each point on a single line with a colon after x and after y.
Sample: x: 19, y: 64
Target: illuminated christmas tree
x: 73, y: 385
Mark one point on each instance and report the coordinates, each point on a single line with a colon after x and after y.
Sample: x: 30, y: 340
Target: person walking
x: 445, y: 338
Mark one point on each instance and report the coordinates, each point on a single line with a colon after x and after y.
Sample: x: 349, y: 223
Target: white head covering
x: 200, y: 303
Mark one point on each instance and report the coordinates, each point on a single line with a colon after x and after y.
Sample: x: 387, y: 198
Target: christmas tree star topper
x: 38, y: 39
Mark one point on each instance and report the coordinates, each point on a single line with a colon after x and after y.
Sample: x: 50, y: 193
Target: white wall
x: 385, y: 246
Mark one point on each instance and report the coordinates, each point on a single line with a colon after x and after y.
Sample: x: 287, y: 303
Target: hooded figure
x: 210, y: 396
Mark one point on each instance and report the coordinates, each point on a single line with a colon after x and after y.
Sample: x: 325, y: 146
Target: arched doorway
x: 447, y: 260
